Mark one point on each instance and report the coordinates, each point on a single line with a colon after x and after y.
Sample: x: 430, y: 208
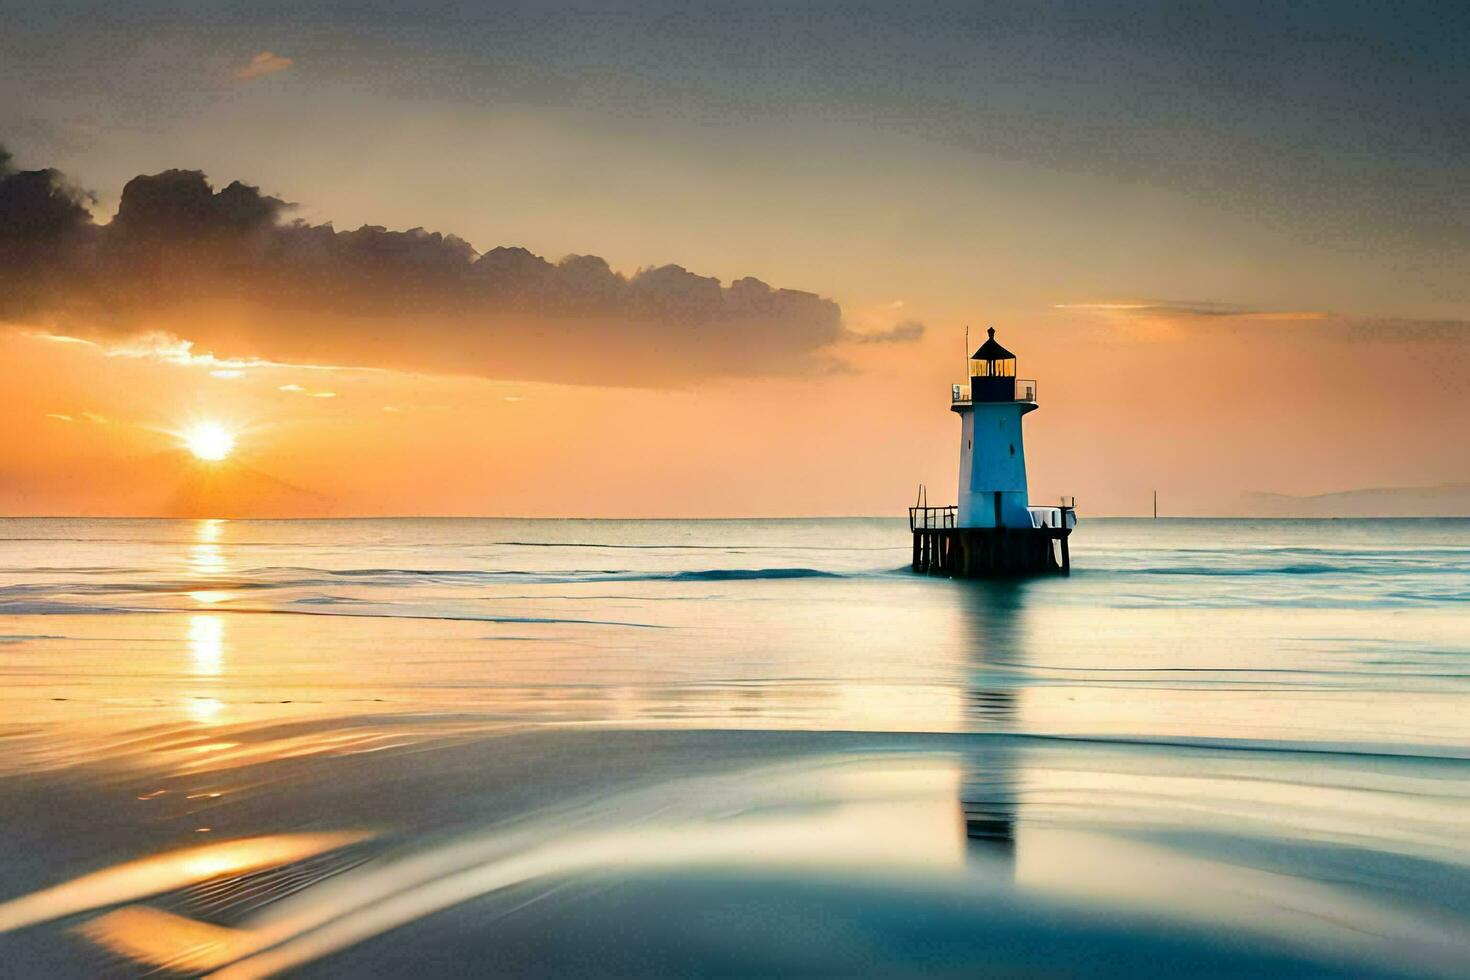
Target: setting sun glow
x: 209, y: 440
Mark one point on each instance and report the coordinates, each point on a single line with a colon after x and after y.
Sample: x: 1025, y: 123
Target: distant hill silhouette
x: 230, y: 489
x: 1447, y: 500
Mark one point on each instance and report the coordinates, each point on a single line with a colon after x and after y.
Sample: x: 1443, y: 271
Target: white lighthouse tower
x: 994, y: 530
x: 992, y: 451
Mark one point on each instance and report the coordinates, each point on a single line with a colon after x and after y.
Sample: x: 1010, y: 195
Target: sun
x: 208, y: 440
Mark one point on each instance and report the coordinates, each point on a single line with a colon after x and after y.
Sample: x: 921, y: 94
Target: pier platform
x: 941, y: 548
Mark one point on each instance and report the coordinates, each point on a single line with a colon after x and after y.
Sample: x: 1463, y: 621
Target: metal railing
x: 1025, y: 392
x: 927, y: 518
x: 1063, y: 517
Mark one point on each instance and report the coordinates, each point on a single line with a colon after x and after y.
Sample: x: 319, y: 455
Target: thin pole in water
x: 1156, y: 505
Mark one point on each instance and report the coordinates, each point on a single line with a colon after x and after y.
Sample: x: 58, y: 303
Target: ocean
x: 432, y: 747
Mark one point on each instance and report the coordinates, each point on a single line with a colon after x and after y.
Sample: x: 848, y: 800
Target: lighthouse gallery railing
x: 1025, y: 392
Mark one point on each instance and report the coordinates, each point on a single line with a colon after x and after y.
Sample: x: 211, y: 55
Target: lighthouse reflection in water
x: 994, y: 624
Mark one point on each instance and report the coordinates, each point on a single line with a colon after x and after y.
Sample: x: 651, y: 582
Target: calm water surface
x: 386, y: 747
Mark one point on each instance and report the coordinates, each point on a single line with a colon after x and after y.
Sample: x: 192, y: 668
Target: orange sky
x: 1201, y: 410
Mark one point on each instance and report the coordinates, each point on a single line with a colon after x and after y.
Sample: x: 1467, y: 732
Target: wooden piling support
x: 963, y: 552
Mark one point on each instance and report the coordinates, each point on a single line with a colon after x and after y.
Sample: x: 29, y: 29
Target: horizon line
x: 670, y: 520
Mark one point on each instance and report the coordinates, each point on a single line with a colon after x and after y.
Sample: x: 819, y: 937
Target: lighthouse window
x: 1013, y: 449
x: 1004, y: 368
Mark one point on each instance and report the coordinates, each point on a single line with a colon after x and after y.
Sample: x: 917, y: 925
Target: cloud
x: 1323, y: 323
x: 264, y: 63
x: 227, y: 272
x: 904, y: 332
x: 295, y: 389
x: 1172, y: 308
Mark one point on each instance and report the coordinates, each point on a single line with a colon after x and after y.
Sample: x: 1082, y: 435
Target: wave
x: 588, y: 575
x: 1449, y: 755
x: 634, y: 547
x: 1248, y: 570
x: 1453, y: 755
x: 329, y: 600
x: 1321, y: 601
x: 745, y: 574
x: 272, y: 577
x: 49, y: 608
x: 142, y: 587
x: 448, y: 617
x: 1305, y: 568
x: 1304, y: 549
x: 396, y: 586
x: 733, y: 548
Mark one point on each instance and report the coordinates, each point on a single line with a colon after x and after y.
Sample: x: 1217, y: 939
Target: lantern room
x: 992, y: 372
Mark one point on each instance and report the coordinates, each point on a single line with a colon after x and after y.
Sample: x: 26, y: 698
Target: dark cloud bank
x: 228, y: 270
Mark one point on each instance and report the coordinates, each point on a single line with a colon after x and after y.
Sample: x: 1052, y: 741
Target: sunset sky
x: 1232, y: 244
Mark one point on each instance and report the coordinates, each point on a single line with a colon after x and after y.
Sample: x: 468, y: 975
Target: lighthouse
x: 992, y: 451
x: 993, y: 530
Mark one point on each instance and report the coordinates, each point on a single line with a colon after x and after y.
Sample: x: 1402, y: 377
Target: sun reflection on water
x: 165, y: 872
x: 206, y: 554
x: 203, y: 710
x: 206, y: 645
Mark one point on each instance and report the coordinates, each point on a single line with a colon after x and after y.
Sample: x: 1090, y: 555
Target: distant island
x: 1446, y: 500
